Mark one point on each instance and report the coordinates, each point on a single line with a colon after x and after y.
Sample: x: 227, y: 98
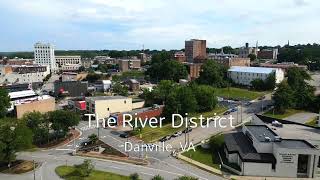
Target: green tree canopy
x: 186, y: 178
x: 157, y: 177
x: 39, y: 125
x: 213, y: 74
x: 62, y: 120
x: 120, y: 89
x: 205, y: 97
x: 84, y: 169
x: 14, y: 137
x: 283, y: 97
x: 180, y: 100
x: 162, y: 67
x: 4, y: 102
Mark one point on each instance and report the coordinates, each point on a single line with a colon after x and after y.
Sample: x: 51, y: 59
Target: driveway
x: 301, y: 117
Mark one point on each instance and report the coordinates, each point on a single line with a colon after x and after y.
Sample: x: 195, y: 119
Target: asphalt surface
x: 301, y: 117
x: 161, y: 163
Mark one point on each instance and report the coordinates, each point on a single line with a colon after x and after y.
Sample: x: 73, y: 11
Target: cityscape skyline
x: 118, y: 25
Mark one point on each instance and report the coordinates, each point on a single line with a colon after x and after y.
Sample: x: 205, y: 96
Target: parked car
x: 166, y: 138
x: 124, y: 135
x: 234, y: 110
x: 277, y: 124
x: 177, y: 134
x: 247, y: 103
x: 226, y: 113
x: 262, y: 98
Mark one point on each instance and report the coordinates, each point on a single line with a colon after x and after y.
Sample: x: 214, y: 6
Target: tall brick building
x: 195, y: 50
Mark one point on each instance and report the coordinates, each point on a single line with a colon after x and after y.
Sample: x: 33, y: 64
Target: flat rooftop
x: 294, y: 144
x: 298, y: 132
x: 98, y: 98
x: 238, y: 142
x: 262, y: 70
x: 21, y: 94
x: 261, y: 131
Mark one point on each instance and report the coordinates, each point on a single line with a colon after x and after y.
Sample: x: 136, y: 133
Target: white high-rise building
x: 44, y: 55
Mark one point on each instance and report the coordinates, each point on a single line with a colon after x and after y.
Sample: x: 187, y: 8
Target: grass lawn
x: 207, y: 156
x: 18, y: 167
x: 287, y: 113
x: 67, y: 172
x: 312, y: 122
x: 238, y: 93
x: 149, y: 134
x: 204, y: 156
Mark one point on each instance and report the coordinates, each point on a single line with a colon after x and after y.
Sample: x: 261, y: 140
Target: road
x: 49, y: 85
x: 161, y: 163
x: 301, y: 117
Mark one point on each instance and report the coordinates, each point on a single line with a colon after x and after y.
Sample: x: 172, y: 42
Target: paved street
x: 301, y: 117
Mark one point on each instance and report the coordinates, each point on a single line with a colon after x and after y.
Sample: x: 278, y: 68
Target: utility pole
x: 34, y: 170
x: 241, y: 110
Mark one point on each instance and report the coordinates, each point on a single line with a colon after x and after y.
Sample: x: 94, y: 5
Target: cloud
x: 127, y: 24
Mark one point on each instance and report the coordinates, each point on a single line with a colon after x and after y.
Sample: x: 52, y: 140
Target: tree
x: 180, y: 100
x: 92, y: 77
x: 81, y: 69
x: 120, y: 89
x: 134, y: 176
x: 173, y: 70
x: 258, y: 84
x: 14, y: 137
x: 157, y: 177
x: 39, y: 125
x: 84, y: 169
x: 186, y: 178
x: 297, y: 77
x: 303, y: 92
x: 4, y: 102
x: 62, y: 120
x: 159, y: 94
x: 205, y: 97
x: 252, y: 57
x: 283, y: 97
x: 270, y: 82
x: 93, y: 138
x: 213, y: 74
x: 164, y: 68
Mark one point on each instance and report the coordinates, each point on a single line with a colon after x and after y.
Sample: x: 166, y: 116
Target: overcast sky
x: 158, y: 24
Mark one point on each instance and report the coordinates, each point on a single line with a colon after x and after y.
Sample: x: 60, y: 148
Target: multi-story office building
x: 68, y: 63
x: 194, y: 70
x: 44, y: 55
x: 245, y: 75
x: 268, y: 54
x: 180, y: 56
x: 195, y: 50
x: 285, y: 66
x: 18, y: 74
x: 68, y: 60
x: 244, y: 52
x: 104, y: 106
x: 229, y: 59
x: 129, y: 64
x: 236, y: 61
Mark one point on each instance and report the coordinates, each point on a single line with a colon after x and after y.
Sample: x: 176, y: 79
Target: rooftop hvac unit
x: 277, y: 139
x: 267, y: 139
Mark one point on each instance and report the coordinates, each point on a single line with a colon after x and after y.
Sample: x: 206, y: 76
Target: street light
x: 12, y: 128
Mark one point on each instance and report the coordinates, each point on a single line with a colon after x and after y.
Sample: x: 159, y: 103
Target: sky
x: 156, y: 24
